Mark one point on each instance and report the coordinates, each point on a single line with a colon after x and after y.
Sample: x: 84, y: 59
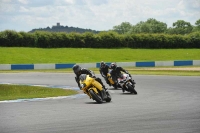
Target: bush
x: 42, y: 39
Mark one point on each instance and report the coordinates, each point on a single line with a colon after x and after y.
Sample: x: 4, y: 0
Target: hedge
x: 42, y: 39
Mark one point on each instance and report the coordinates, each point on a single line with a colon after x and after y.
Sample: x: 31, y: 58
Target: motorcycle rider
x: 116, y: 71
x: 103, y: 69
x: 78, y: 71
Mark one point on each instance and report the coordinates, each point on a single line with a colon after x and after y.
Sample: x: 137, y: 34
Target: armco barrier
x: 96, y: 65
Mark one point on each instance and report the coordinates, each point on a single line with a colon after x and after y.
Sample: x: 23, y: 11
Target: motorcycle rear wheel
x: 132, y: 89
x: 95, y: 96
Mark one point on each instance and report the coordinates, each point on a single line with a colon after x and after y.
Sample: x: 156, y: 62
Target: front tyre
x: 131, y: 89
x: 108, y: 99
x: 95, y: 96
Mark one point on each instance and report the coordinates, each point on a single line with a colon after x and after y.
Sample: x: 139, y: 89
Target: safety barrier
x: 96, y: 65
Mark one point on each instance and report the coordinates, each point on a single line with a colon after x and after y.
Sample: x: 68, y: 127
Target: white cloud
x: 25, y: 15
x: 5, y: 1
x: 23, y: 9
x: 69, y: 1
x: 196, y: 4
x: 23, y: 1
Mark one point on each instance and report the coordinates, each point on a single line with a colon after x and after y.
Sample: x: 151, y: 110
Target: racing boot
x: 107, y: 81
x: 115, y: 86
x: 123, y: 90
x: 133, y: 82
x: 104, y: 88
x: 99, y: 80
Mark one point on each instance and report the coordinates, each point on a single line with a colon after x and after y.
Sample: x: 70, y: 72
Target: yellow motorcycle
x: 111, y: 81
x: 93, y: 89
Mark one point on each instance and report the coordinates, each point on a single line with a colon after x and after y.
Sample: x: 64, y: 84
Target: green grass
x: 12, y: 92
x: 88, y: 55
x: 16, y: 55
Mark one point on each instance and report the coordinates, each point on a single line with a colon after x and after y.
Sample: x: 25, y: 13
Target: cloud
x: 25, y: 15
x: 23, y: 1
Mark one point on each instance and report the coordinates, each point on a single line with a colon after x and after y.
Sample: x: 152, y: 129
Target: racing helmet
x: 76, y: 69
x: 113, y: 66
x: 102, y: 64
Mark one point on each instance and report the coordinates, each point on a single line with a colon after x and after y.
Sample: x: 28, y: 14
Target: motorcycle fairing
x: 89, y: 81
x: 94, y: 89
x: 110, y: 78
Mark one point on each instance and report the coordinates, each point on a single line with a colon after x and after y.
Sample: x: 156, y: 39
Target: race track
x: 164, y: 104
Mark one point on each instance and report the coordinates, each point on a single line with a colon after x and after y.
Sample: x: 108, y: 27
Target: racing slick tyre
x: 96, y: 97
x: 131, y: 89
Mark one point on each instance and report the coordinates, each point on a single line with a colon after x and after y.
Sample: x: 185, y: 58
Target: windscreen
x: 82, y: 77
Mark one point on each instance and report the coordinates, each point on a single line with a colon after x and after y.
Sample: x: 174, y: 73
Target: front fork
x: 126, y: 85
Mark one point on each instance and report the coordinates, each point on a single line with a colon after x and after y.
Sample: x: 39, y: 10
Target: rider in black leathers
x: 103, y: 69
x: 116, y: 71
x: 78, y: 71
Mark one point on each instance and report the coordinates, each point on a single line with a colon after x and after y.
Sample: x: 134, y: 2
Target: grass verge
x: 13, y: 92
x: 22, y: 55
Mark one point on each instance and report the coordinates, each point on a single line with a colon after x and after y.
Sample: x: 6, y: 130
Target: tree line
x: 108, y: 39
x: 64, y: 29
x: 148, y: 34
x: 151, y: 25
x: 154, y: 26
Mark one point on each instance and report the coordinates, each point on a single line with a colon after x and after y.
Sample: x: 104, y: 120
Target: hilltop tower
x: 58, y: 24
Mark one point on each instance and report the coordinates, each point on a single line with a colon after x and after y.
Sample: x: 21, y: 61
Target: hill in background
x: 60, y: 28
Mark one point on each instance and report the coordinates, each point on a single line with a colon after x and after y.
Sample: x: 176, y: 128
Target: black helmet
x: 113, y: 66
x: 103, y: 64
x: 76, y: 69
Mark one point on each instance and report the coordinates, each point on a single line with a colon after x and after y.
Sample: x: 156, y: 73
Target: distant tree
x: 66, y: 29
x: 156, y: 26
x: 150, y: 26
x: 123, y: 28
x: 48, y: 28
x: 197, y: 25
x: 181, y: 24
x: 145, y: 28
x: 180, y: 27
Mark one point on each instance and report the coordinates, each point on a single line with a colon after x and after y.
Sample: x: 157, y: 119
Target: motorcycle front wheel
x: 132, y: 89
x: 108, y: 99
x: 95, y: 96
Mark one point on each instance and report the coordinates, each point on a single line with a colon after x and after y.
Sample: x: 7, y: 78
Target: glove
x: 93, y: 76
x: 104, y: 76
x: 79, y: 87
x: 76, y: 79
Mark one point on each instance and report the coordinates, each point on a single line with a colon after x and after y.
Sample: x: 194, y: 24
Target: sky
x: 100, y: 15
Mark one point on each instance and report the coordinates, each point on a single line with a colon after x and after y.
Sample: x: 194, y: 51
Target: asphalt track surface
x: 164, y: 104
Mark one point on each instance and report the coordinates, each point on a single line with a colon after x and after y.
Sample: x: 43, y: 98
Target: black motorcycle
x: 126, y: 82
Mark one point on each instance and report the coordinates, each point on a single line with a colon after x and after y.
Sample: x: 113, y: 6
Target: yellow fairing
x: 91, y: 83
x: 88, y: 80
x: 97, y: 84
x: 110, y: 79
x: 95, y: 89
